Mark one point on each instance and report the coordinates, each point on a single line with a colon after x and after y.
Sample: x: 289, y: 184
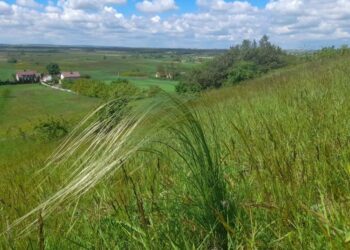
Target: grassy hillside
x: 263, y: 165
x: 23, y: 105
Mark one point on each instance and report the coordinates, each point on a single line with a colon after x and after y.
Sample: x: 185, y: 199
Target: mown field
x: 262, y: 165
x: 99, y: 64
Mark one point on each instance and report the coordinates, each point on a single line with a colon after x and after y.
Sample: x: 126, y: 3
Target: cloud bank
x: 215, y: 23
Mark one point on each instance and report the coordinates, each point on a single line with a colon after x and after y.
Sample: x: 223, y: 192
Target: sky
x: 292, y: 24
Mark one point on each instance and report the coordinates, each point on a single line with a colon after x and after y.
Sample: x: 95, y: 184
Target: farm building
x: 47, y: 78
x: 70, y: 75
x: 27, y: 76
x: 164, y: 75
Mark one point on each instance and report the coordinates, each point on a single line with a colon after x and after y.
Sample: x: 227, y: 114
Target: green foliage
x: 183, y: 87
x: 332, y: 52
x: 53, y: 69
x: 92, y: 88
x: 263, y: 55
x: 118, y: 90
x: 87, y: 87
x: 51, y: 129
x: 242, y: 71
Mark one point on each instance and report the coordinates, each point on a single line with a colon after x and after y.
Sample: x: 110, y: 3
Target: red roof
x: 71, y: 74
x: 27, y: 73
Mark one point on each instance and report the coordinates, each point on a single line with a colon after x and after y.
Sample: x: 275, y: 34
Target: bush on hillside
x: 87, y: 87
x: 119, y: 90
x: 184, y: 87
x: 250, y: 58
x: 92, y: 88
x: 51, y: 129
x: 242, y: 71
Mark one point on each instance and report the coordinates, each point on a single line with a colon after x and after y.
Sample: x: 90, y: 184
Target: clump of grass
x: 200, y: 152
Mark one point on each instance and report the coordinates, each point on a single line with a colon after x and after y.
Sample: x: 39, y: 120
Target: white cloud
x: 156, y: 5
x: 28, y: 3
x: 217, y: 23
x: 307, y: 20
x: 90, y: 4
x: 156, y: 19
x: 5, y: 8
x: 222, y: 5
x: 290, y: 6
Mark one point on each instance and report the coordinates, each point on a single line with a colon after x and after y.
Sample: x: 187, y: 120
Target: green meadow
x: 105, y: 65
x: 145, y: 83
x: 21, y: 106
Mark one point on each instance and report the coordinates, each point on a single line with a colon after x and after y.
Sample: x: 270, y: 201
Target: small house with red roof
x: 28, y: 76
x: 70, y: 75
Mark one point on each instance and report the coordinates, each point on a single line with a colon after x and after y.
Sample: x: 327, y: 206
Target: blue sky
x: 185, y: 5
x: 291, y: 24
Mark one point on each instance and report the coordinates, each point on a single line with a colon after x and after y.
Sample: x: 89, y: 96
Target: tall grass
x: 261, y: 165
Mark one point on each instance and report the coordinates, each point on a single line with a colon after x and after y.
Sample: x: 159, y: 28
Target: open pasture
x: 105, y: 65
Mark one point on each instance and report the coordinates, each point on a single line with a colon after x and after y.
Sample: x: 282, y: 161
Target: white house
x: 47, y: 78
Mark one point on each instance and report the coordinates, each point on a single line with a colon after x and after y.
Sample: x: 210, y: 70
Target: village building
x: 27, y: 76
x: 158, y: 75
x: 70, y: 76
x: 47, y: 78
x: 164, y: 75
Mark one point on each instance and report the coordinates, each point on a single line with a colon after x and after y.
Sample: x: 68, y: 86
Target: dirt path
x: 57, y: 88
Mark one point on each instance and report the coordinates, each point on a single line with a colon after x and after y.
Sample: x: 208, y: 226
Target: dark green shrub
x: 53, y: 69
x: 242, y: 71
x: 117, y: 89
x: 51, y: 129
x: 214, y: 74
x: 183, y: 87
